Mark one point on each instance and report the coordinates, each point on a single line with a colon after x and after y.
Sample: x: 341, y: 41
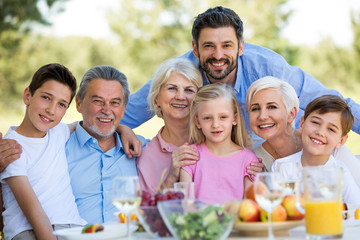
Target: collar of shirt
x: 83, y: 136
x: 165, y: 146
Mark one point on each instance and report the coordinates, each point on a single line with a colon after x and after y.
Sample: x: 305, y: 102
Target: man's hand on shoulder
x: 131, y: 143
x: 10, y: 150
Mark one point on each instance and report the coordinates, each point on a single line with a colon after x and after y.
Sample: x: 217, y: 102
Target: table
x: 350, y: 233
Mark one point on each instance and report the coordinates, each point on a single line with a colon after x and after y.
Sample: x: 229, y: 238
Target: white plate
x: 111, y: 231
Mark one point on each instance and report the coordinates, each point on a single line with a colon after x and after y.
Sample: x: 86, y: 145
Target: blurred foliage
x: 17, y: 18
x: 19, y: 15
x: 150, y: 31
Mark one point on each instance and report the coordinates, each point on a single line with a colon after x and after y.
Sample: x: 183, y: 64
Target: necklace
x: 273, y: 151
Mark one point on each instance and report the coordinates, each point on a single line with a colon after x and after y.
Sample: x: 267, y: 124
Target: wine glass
x: 291, y: 172
x: 269, y: 192
x: 126, y: 196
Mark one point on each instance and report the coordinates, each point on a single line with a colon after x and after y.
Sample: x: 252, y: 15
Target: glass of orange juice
x: 323, y: 203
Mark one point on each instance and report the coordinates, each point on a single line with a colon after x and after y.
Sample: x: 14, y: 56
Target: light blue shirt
x: 256, y: 62
x: 91, y: 172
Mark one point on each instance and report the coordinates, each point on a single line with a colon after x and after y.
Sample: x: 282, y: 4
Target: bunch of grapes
x: 148, y: 200
x: 151, y: 213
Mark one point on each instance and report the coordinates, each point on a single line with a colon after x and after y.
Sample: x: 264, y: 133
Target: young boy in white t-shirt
x: 36, y: 188
x: 324, y: 127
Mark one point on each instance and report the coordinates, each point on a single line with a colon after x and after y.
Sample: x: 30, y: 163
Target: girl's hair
x: 211, y: 92
x: 288, y: 94
x: 179, y: 65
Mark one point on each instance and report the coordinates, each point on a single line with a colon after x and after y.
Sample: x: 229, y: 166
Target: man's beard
x: 221, y: 74
x: 97, y: 131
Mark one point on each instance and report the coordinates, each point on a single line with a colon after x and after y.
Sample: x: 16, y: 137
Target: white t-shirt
x: 43, y: 161
x: 351, y: 192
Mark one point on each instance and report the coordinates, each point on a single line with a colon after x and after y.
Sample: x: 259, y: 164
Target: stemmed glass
x: 269, y: 192
x: 291, y: 172
x: 126, y: 196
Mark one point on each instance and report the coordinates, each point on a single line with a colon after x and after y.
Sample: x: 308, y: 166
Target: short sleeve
x: 249, y: 157
x: 16, y: 168
x: 190, y: 169
x: 351, y: 192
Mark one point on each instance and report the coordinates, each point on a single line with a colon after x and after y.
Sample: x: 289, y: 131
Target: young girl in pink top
x: 218, y: 132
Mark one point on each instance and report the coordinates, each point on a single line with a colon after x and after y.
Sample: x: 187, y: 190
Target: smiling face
x: 175, y: 97
x: 218, y: 49
x: 268, y: 115
x: 102, y: 107
x: 322, y: 133
x: 216, y: 118
x: 45, y: 108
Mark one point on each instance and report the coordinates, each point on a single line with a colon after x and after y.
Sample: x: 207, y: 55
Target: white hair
x: 288, y: 94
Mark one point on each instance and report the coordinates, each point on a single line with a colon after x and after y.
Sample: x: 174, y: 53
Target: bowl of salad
x: 199, y: 219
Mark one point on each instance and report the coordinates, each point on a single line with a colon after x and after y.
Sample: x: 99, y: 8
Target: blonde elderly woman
x: 173, y: 88
x: 273, y: 105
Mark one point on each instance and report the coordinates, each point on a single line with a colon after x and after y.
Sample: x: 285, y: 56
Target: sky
x: 312, y: 20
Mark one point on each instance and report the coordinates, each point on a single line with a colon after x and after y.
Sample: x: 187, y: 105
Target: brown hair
x: 332, y: 103
x: 217, y: 17
x: 56, y: 72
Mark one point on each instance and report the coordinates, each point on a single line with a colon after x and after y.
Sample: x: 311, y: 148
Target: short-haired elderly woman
x: 273, y: 105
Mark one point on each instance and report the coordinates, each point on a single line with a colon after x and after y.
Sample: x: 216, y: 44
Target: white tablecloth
x: 350, y: 233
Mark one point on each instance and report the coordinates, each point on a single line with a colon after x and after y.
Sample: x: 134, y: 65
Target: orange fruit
x: 123, y: 217
x: 344, y: 207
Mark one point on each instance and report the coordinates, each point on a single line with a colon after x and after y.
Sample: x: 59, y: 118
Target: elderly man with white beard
x: 94, y: 151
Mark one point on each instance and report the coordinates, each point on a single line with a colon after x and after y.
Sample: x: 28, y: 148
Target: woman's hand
x: 182, y: 156
x: 131, y: 144
x: 10, y: 150
x: 255, y: 167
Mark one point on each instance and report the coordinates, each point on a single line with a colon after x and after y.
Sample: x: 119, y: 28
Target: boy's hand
x: 10, y: 150
x: 131, y: 144
x: 255, y: 167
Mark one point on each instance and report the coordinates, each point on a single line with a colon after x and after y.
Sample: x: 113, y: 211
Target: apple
x: 261, y: 188
x: 249, y: 211
x: 249, y: 193
x: 289, y: 203
x: 278, y: 215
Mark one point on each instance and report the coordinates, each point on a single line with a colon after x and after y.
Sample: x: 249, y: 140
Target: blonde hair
x: 211, y: 92
x: 287, y: 92
x: 179, y: 65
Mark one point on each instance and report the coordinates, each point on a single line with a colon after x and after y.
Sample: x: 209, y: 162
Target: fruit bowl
x: 261, y: 228
x: 152, y: 222
x: 148, y: 213
x: 188, y: 219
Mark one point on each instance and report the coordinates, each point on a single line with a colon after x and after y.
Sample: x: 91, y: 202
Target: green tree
x: 15, y: 13
x: 151, y: 31
x: 16, y: 20
x: 355, y: 22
